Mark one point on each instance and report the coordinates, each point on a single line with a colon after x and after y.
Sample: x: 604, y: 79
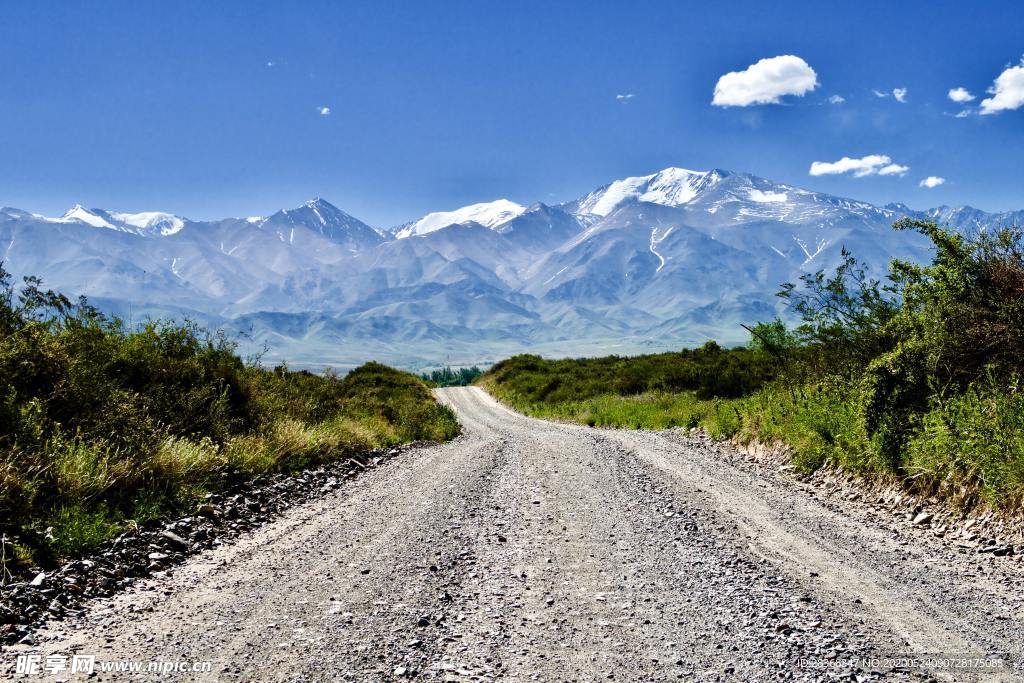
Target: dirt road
x: 528, y: 550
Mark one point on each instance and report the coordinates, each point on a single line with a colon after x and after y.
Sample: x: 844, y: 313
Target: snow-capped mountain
x: 329, y: 221
x: 488, y: 214
x: 647, y: 262
x: 966, y: 218
x: 670, y: 187
x: 145, y: 224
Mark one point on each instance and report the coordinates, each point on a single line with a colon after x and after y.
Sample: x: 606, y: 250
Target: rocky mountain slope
x: 642, y: 263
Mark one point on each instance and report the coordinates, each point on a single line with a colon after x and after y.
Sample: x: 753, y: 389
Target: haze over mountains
x: 644, y: 263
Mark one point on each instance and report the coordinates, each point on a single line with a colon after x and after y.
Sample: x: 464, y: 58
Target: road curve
x: 531, y: 550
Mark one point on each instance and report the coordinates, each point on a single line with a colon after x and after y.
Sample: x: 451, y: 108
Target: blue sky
x: 215, y: 109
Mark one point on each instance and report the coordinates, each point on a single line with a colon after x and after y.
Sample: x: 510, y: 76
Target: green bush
x: 969, y: 446
x: 915, y: 378
x: 101, y: 424
x: 709, y: 371
x: 448, y: 377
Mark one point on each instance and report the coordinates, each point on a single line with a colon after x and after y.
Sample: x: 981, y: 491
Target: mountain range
x: 651, y: 262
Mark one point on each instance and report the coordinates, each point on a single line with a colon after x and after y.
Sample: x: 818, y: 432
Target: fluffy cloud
x: 931, y: 181
x: 765, y: 82
x: 836, y: 99
x: 893, y: 169
x: 324, y: 111
x: 873, y: 164
x: 625, y: 98
x: 1007, y: 91
x: 960, y: 95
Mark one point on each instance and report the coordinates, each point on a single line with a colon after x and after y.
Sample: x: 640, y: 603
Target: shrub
x: 969, y: 446
x: 101, y: 424
x: 916, y: 378
x: 448, y: 377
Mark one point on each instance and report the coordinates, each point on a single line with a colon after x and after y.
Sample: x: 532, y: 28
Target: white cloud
x: 893, y: 169
x: 765, y: 82
x: 625, y: 98
x: 899, y: 93
x: 962, y: 114
x: 931, y: 181
x: 1007, y: 91
x: 324, y: 111
x: 960, y: 95
x: 836, y: 99
x: 271, y: 63
x: 873, y: 164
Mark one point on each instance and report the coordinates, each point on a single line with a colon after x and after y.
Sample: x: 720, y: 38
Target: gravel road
x: 530, y: 550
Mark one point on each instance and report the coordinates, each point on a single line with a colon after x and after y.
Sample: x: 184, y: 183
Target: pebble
x: 115, y: 564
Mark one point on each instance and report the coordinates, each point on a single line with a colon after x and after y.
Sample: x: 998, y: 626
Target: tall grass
x: 102, y: 426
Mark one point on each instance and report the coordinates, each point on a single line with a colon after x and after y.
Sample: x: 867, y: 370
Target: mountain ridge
x: 646, y: 262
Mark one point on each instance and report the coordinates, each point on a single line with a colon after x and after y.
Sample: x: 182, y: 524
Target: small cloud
x: 900, y: 94
x: 270, y: 64
x: 836, y: 99
x: 765, y: 82
x: 879, y: 93
x: 873, y: 164
x: 625, y: 98
x: 960, y: 95
x: 1007, y: 91
x: 893, y: 169
x: 931, y: 181
x: 962, y: 114
x: 324, y: 111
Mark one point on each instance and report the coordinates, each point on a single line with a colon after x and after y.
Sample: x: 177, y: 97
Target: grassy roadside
x: 102, y: 427
x: 818, y: 427
x: 917, y: 380
x: 967, y: 450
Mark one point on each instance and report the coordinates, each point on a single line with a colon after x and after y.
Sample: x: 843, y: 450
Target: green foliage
x: 709, y: 371
x: 774, y: 338
x: 100, y: 424
x: 448, y: 377
x: 894, y: 389
x: 969, y: 446
x: 73, y: 528
x: 844, y: 316
x: 821, y: 425
x: 966, y: 308
x: 916, y: 378
x: 923, y: 351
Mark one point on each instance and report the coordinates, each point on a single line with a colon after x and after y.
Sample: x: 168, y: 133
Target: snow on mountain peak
x: 147, y: 223
x: 321, y: 216
x: 668, y: 187
x: 83, y: 215
x: 319, y: 212
x: 151, y: 222
x: 487, y: 214
x: 318, y: 205
x: 768, y: 197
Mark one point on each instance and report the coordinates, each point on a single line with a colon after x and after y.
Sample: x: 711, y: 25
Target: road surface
x: 529, y: 550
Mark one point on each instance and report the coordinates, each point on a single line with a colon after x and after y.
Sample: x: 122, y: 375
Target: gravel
x: 528, y: 550
x: 156, y: 546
